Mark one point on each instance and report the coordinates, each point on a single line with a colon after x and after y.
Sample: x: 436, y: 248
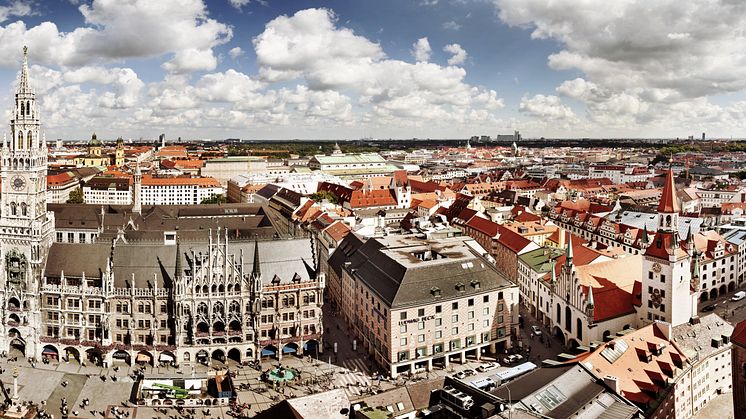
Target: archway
x: 723, y: 290
x: 249, y: 354
x: 218, y: 355
x: 713, y: 294
x: 234, y: 326
x: 202, y: 329
x: 311, y: 347
x: 144, y: 357
x: 731, y: 286
x: 703, y: 297
x: 121, y: 356
x: 14, y: 319
x: 50, y: 352
x: 72, y: 354
x: 202, y: 356
x: 269, y: 351
x: 559, y: 334
x: 235, y: 355
x: 290, y: 348
x: 218, y: 328
x: 17, y: 347
x: 94, y: 356
x: 167, y: 357
x: 14, y: 304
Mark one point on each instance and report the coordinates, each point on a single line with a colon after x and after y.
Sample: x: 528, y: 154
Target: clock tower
x: 26, y: 228
x: 666, y: 277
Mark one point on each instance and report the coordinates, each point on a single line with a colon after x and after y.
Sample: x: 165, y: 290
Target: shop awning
x: 143, y: 358
x: 164, y: 356
x: 268, y: 352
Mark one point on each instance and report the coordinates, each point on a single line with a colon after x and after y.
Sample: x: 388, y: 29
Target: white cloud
x: 459, y: 54
x: 421, y: 50
x: 640, y: 57
x: 235, y: 52
x: 16, y: 8
x: 238, y: 4
x: 451, y: 25
x: 117, y: 30
x: 548, y: 107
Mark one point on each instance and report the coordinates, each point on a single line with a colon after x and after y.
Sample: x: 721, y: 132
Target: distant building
x: 358, y: 166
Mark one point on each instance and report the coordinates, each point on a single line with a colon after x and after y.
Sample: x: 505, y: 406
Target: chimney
x: 612, y: 382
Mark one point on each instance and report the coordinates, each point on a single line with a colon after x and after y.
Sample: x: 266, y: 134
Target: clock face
x: 657, y: 268
x: 19, y: 183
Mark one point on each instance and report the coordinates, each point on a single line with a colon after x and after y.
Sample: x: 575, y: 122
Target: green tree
x: 76, y: 196
x: 322, y: 195
x: 214, y: 199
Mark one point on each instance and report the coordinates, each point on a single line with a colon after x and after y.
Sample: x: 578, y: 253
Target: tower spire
x: 668, y: 202
x: 256, y: 270
x: 568, y: 251
x: 23, y: 86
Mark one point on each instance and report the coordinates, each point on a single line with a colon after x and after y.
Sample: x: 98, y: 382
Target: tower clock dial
x: 18, y: 183
x: 657, y: 268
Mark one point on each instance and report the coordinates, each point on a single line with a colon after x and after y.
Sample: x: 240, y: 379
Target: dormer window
x: 435, y: 291
x: 460, y: 287
x: 475, y: 284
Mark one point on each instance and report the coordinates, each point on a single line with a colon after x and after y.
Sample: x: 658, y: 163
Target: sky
x: 341, y: 69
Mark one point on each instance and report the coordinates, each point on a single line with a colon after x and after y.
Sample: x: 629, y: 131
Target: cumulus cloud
x: 238, y: 4
x: 235, y: 52
x: 640, y: 57
x: 16, y: 8
x: 421, y: 50
x: 548, y: 107
x: 117, y: 30
x: 459, y: 54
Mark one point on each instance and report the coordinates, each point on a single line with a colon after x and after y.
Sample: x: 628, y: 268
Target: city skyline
x: 422, y: 68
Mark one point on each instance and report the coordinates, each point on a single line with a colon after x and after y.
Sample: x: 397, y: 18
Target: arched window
x: 23, y: 209
x: 20, y: 141
x: 291, y: 300
x: 29, y: 137
x: 13, y: 209
x: 23, y: 109
x: 579, y: 329
x: 568, y: 319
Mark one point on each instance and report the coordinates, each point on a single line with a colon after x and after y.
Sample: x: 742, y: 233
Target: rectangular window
x: 403, y: 342
x: 663, y: 278
x: 486, y: 311
x: 438, y: 321
x: 470, y: 327
x: 470, y: 302
x: 454, y: 306
x: 421, y: 312
x: 454, y: 318
x: 438, y: 334
x: 470, y: 315
x: 421, y: 325
x: 438, y: 309
x: 403, y: 315
x: 420, y: 338
x: 454, y: 331
x: 486, y: 299
x: 403, y: 328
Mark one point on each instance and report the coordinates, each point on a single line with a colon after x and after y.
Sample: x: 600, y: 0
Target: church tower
x: 26, y: 228
x: 666, y: 276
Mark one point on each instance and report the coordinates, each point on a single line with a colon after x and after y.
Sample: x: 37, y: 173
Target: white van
x: 740, y: 295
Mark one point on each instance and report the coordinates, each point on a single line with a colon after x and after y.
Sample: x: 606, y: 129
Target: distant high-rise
x: 703, y: 136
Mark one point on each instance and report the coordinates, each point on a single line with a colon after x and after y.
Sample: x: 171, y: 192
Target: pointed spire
x: 590, y: 303
x: 645, y: 237
x: 568, y: 250
x: 669, y: 202
x: 689, y: 235
x: 178, y: 258
x: 23, y: 86
x: 256, y: 271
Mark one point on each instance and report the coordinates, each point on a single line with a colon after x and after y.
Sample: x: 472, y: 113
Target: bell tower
x: 666, y: 276
x: 26, y: 228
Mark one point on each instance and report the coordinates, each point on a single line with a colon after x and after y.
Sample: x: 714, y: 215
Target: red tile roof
x: 484, y: 226
x: 374, y: 198
x: 338, y: 231
x: 610, y: 301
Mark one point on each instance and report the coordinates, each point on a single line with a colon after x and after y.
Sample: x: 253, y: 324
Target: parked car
x: 512, y: 359
x: 711, y: 307
x: 740, y: 295
x: 465, y: 373
x: 488, y: 367
x: 535, y: 329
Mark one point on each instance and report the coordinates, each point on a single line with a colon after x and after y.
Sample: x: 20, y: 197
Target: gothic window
x: 559, y: 315
x: 29, y: 137
x: 579, y: 329
x: 13, y: 209
x: 23, y: 209
x: 23, y: 109
x: 20, y: 140
x: 568, y: 319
